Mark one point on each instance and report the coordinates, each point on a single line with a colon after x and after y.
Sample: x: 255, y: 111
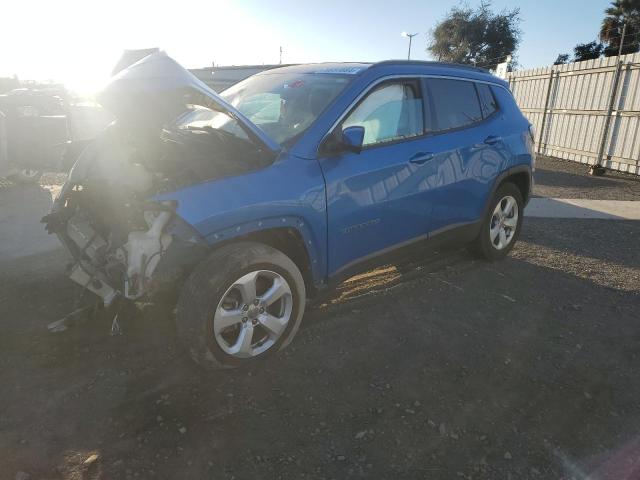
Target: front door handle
x: 421, y: 157
x: 492, y: 139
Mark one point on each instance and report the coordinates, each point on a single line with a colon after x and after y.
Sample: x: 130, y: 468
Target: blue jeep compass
x: 257, y: 198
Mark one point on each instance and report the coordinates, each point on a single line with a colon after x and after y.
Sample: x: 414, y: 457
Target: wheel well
x: 520, y: 180
x: 288, y: 241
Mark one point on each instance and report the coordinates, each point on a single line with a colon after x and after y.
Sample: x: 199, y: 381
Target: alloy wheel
x: 504, y: 222
x: 253, y: 314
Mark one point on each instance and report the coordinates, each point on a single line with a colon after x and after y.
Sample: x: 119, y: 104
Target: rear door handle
x: 492, y: 140
x: 421, y: 157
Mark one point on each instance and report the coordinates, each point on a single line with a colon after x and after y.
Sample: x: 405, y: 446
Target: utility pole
x: 281, y: 55
x: 624, y: 30
x: 410, y: 37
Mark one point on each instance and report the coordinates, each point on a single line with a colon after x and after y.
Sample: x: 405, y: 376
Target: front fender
x: 290, y: 193
x: 298, y: 224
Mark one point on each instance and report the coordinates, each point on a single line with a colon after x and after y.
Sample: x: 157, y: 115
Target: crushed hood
x: 156, y: 89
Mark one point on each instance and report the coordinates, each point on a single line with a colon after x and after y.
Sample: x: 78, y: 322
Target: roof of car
x: 347, y: 68
x: 424, y: 63
x: 356, y: 68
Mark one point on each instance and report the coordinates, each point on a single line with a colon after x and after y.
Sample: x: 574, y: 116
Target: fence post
x: 544, y: 112
x: 607, y: 120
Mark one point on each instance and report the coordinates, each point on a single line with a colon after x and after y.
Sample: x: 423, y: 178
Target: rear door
x: 465, y: 136
x: 375, y: 198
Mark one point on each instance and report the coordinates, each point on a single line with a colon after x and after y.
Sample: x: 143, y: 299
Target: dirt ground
x: 565, y: 179
x: 452, y: 368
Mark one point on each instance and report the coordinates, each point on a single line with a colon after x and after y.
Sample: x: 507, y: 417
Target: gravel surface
x: 448, y: 367
x: 564, y: 179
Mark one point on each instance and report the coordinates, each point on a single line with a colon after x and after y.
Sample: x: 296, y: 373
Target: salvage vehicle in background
x: 293, y: 179
x: 34, y: 132
x: 44, y: 130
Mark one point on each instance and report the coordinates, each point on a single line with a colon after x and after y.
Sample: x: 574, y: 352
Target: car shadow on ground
x: 490, y: 370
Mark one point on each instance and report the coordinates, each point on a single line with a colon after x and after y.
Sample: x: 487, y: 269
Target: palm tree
x: 619, y: 13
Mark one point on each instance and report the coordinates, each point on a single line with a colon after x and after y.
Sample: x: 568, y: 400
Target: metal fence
x: 588, y: 112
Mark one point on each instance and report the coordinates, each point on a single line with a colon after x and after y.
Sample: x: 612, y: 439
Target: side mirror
x: 353, y: 138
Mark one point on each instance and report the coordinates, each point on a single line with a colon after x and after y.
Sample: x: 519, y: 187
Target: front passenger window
x: 391, y: 112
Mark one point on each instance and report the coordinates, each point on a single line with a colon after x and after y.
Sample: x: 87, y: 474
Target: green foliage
x: 587, y: 51
x: 476, y: 36
x: 619, y: 13
x: 562, y: 59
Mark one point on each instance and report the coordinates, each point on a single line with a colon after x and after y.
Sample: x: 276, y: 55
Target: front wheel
x: 501, y: 226
x: 243, y: 303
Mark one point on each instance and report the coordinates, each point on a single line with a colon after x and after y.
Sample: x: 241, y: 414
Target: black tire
x: 26, y: 176
x: 204, y: 289
x: 483, y: 245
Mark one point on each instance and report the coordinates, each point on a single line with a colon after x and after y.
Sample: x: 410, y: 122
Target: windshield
x: 284, y: 105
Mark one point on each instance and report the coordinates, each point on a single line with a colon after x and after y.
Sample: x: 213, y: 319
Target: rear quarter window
x: 454, y: 103
x: 488, y: 103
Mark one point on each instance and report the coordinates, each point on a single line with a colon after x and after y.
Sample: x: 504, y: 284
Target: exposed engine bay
x: 172, y: 131
x: 116, y: 235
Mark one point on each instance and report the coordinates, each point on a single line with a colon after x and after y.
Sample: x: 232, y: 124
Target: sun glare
x: 78, y: 43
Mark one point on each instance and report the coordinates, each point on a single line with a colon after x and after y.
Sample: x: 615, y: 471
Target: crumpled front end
x: 122, y: 243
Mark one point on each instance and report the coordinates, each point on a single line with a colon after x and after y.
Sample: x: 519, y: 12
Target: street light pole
x: 410, y: 37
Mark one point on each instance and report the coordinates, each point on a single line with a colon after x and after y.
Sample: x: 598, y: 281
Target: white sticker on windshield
x: 342, y: 70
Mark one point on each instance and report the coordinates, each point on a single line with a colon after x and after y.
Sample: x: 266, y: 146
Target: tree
x: 619, y: 13
x: 476, y: 36
x: 587, y: 51
x: 562, y: 59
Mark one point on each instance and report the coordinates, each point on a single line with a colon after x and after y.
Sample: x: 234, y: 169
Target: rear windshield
x: 284, y: 105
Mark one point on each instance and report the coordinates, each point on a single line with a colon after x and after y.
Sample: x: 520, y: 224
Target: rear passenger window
x: 488, y: 103
x: 455, y: 103
x: 391, y: 112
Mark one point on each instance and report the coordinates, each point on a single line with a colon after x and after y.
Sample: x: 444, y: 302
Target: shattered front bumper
x: 149, y: 258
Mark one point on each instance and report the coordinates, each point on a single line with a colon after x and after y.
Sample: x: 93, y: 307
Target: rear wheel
x: 243, y: 303
x: 501, y: 226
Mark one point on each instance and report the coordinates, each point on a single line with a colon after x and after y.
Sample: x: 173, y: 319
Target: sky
x: 77, y: 42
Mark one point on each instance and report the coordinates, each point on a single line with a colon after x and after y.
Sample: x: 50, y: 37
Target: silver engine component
x: 140, y: 256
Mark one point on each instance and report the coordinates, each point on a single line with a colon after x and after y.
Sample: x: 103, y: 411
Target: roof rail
x: 432, y: 64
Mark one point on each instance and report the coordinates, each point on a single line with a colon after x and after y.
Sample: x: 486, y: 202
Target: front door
x: 374, y: 200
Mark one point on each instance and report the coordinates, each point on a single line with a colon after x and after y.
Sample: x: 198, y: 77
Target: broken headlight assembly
x: 116, y: 247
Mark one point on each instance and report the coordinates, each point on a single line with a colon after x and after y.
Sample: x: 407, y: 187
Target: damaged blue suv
x: 257, y: 198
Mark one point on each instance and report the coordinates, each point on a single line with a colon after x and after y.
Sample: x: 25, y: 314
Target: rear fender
x: 517, y: 169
